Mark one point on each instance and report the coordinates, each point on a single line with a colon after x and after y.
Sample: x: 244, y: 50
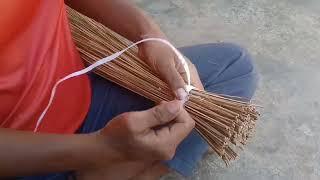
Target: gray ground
x: 284, y: 38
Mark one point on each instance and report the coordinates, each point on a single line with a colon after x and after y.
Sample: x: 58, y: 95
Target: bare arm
x: 122, y: 16
x: 26, y: 153
x: 128, y: 137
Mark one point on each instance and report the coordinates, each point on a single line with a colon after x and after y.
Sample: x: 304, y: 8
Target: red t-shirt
x: 36, y: 50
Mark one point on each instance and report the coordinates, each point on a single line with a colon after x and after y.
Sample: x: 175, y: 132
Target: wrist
x: 94, y: 152
x: 150, y: 34
x: 148, y: 28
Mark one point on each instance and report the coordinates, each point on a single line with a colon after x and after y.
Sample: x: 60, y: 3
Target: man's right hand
x: 150, y: 135
x: 131, y: 140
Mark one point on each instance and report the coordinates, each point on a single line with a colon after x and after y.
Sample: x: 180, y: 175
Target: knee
x: 242, y: 67
x: 240, y: 61
x: 236, y: 56
x: 236, y: 66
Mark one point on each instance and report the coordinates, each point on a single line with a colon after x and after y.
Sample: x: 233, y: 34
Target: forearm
x: 26, y: 153
x: 122, y: 16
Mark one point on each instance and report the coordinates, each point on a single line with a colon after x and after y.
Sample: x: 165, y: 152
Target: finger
x: 178, y: 129
x: 180, y: 68
x: 195, y: 79
x: 194, y: 76
x: 158, y: 115
x: 175, y: 81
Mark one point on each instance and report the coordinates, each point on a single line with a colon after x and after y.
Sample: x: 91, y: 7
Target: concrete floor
x: 284, y: 38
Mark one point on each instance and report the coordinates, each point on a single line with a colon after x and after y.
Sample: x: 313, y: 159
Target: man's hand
x: 149, y: 135
x: 129, y: 140
x: 134, y: 141
x: 163, y: 61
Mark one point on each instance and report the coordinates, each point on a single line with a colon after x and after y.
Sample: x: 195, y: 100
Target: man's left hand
x: 163, y: 61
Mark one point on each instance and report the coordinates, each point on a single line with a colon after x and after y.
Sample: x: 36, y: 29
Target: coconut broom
x: 225, y: 123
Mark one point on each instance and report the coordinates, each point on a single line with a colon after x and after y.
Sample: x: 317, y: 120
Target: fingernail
x: 173, y: 107
x: 181, y: 94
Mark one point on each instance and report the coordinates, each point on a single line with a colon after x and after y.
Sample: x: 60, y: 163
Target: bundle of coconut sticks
x: 225, y: 123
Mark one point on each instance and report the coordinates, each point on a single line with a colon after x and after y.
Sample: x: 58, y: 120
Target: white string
x: 188, y: 86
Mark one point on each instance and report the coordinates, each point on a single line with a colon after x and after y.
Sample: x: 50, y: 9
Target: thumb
x: 176, y: 82
x: 159, y: 115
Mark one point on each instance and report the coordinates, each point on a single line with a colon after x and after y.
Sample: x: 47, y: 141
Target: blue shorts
x: 223, y: 68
